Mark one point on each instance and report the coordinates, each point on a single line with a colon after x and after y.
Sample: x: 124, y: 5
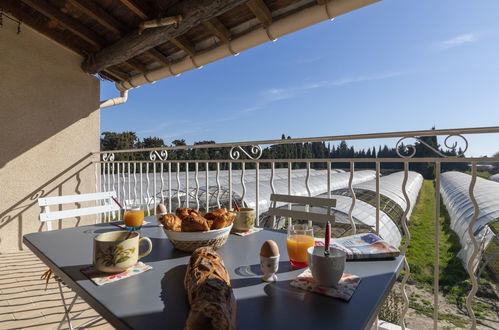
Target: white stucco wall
x: 49, y: 125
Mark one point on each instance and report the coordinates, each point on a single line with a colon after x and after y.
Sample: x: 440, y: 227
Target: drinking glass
x: 300, y: 238
x: 134, y: 218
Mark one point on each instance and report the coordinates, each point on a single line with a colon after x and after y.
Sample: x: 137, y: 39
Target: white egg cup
x: 269, y: 267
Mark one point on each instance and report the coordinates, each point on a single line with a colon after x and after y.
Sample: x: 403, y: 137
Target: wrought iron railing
x: 242, y: 162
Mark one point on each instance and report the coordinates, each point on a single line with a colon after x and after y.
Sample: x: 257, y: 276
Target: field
x: 454, y: 283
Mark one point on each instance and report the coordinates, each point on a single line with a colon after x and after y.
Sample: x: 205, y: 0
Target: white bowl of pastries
x: 188, y: 229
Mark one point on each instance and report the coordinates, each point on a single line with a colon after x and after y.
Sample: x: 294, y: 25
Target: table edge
x: 96, y: 305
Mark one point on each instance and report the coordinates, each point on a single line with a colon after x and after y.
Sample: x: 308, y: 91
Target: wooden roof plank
x: 100, y: 15
x: 193, y: 13
x: 66, y: 21
x: 184, y: 44
x: 261, y: 11
x: 162, y: 59
x: 137, y: 65
x: 116, y: 73
x: 137, y: 9
x: 218, y: 29
x: 34, y: 22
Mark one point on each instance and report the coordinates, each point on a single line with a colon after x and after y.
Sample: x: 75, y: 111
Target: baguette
x: 213, y: 305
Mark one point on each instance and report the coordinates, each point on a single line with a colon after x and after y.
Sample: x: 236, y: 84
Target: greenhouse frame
x: 456, y: 197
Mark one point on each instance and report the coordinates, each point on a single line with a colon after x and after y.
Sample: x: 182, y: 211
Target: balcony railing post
x: 196, y: 178
x: 187, y: 184
x: 207, y: 171
x: 403, y: 250
x: 378, y: 206
x: 257, y: 193
x: 436, y: 271
x: 354, y: 198
x: 470, y: 266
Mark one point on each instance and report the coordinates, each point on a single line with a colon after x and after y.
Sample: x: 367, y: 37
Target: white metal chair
x: 105, y: 206
x: 301, y: 215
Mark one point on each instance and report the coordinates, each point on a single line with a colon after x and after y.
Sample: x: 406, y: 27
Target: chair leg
x: 66, y: 310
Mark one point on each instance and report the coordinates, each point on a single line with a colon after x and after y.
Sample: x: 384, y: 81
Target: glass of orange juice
x: 134, y: 218
x: 300, y: 238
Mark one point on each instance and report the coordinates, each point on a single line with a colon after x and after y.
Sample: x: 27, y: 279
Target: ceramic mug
x: 244, y: 221
x: 326, y: 270
x: 115, y: 253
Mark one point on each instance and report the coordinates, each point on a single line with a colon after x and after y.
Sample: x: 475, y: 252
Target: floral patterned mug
x: 116, y: 251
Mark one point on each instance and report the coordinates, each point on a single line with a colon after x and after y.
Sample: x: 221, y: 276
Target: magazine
x: 363, y: 246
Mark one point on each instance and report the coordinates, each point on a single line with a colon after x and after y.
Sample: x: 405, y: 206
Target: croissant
x: 221, y: 218
x: 184, y: 212
x: 194, y: 222
x: 171, y: 222
x: 215, y: 214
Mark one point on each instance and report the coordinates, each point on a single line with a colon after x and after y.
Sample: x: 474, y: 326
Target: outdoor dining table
x: 156, y: 298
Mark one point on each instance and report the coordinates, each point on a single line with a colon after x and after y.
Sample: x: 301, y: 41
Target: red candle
x: 327, y: 238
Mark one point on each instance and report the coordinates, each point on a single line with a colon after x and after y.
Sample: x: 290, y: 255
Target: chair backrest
x: 48, y: 216
x: 302, y: 215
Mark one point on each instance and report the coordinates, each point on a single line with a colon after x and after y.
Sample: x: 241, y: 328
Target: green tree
x: 119, y: 141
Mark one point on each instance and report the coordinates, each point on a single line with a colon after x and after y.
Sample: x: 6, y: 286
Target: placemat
x: 345, y: 290
x: 249, y: 232
x: 100, y: 278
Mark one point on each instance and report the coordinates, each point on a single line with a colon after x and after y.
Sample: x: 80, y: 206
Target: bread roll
x: 213, y: 305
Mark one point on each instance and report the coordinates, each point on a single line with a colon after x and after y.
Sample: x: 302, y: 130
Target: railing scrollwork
x: 108, y: 157
x: 409, y: 150
x: 158, y: 155
x: 255, y: 152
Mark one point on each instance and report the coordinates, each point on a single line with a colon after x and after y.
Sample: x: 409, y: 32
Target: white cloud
x: 456, y: 41
x: 277, y: 94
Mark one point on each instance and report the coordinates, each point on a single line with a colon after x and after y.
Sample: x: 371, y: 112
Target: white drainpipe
x: 115, y: 101
x: 282, y: 27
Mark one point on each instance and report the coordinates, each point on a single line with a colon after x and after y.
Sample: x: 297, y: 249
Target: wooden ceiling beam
x: 183, y: 43
x: 99, y: 15
x: 118, y: 74
x: 108, y: 76
x: 218, y: 29
x: 66, y: 21
x: 162, y: 59
x: 261, y: 11
x: 137, y: 65
x: 139, y: 10
x: 193, y: 13
x: 34, y: 22
x: 111, y: 74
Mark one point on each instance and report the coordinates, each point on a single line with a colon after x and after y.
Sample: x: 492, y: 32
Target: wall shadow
x: 17, y: 212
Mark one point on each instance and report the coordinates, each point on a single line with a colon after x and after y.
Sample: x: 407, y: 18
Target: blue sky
x: 392, y: 66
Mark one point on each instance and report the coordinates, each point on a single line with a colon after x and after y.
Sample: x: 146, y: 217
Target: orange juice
x: 297, y: 249
x: 134, y: 219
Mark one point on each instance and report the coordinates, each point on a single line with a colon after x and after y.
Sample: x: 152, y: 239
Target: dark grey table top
x: 157, y: 299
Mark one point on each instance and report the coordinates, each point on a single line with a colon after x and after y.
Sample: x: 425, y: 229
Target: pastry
x: 213, y: 305
x: 215, y: 214
x: 223, y: 220
x: 171, y: 222
x: 194, y: 222
x: 184, y: 212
